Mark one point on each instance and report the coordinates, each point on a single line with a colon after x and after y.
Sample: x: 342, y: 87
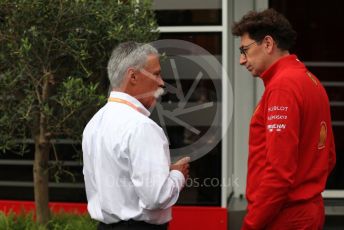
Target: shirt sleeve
x: 282, y: 115
x: 332, y: 154
x: 156, y: 186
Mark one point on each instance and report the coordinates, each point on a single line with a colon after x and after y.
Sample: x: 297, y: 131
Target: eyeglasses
x: 243, y: 49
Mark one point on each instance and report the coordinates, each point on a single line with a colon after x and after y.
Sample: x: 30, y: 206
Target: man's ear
x: 132, y: 76
x: 269, y: 43
x: 129, y: 80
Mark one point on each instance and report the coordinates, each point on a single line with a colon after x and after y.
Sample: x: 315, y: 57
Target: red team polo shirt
x: 291, y: 146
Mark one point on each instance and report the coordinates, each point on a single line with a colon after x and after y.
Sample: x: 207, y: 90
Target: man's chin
x: 158, y: 92
x: 254, y: 74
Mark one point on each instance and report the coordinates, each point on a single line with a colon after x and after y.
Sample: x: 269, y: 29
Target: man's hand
x: 182, y: 165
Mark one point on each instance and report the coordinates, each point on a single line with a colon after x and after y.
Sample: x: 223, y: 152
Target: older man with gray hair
x: 129, y: 181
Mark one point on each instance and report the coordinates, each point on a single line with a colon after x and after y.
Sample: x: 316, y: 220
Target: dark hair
x: 268, y: 22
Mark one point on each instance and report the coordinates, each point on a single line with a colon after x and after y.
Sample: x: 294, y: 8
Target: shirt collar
x: 130, y: 99
x: 280, y: 64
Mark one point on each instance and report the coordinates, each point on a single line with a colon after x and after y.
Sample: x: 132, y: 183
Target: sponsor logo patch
x: 277, y: 108
x: 277, y: 117
x: 277, y: 127
x: 322, y: 135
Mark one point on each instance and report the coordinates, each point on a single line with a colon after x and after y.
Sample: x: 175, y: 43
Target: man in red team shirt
x: 291, y: 146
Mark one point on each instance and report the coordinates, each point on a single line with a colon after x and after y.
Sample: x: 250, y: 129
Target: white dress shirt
x: 127, y: 165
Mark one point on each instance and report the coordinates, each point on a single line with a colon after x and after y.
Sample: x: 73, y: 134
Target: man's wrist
x: 178, y: 177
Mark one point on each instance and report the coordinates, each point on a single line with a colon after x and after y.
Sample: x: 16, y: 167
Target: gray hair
x: 126, y: 55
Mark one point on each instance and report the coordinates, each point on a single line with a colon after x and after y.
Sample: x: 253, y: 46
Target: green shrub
x: 61, y: 221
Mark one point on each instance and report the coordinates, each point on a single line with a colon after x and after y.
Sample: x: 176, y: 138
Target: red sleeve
x: 332, y: 154
x: 282, y: 116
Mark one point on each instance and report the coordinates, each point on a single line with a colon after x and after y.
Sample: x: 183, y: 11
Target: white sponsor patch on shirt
x: 277, y: 108
x: 277, y: 117
x: 277, y: 127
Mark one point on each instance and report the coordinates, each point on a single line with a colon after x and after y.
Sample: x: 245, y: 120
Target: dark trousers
x: 131, y: 225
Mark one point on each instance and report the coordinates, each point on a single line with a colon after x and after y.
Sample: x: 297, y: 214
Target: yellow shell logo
x: 323, y: 135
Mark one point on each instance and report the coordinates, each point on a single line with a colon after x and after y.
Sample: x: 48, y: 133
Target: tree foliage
x: 53, y: 56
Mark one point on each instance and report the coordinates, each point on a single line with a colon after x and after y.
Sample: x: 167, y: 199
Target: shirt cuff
x: 178, y: 178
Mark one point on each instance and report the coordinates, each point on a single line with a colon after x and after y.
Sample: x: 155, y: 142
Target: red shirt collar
x: 280, y: 64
